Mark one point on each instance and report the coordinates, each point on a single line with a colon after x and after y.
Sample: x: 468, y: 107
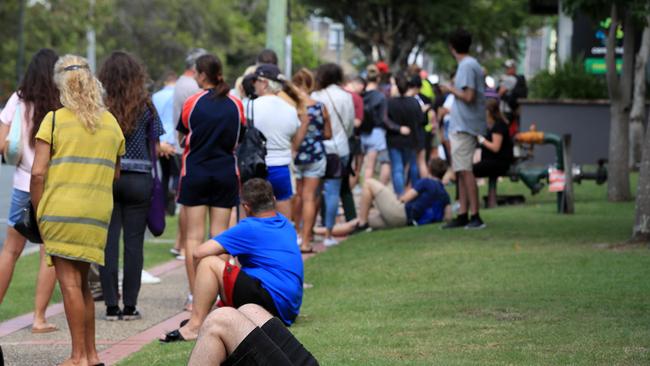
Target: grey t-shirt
x: 469, y: 117
x: 185, y: 87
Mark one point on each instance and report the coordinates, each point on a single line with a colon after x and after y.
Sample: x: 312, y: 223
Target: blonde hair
x: 80, y: 91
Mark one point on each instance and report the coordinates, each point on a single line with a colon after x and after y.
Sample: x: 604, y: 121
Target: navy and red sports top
x: 212, y: 126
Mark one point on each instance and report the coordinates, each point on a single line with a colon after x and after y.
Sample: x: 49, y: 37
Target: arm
x: 494, y: 145
x: 297, y: 138
x: 390, y: 124
x: 117, y: 169
x: 39, y: 171
x: 208, y: 248
x: 409, y: 195
x: 4, y: 131
x: 327, y: 129
x: 466, y: 94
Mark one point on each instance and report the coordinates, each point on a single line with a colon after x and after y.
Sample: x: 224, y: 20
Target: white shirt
x: 336, y: 99
x: 278, y: 121
x: 23, y: 173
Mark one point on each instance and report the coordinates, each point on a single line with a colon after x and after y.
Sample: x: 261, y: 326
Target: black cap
x: 269, y: 71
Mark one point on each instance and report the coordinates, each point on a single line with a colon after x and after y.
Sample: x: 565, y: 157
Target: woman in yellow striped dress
x: 77, y: 153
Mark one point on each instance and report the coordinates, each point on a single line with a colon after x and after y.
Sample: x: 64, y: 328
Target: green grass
x: 534, y: 288
x: 20, y: 296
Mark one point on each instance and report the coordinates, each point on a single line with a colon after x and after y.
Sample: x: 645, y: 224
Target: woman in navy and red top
x: 209, y: 181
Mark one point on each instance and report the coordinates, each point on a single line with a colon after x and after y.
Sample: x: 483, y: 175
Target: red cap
x: 382, y: 67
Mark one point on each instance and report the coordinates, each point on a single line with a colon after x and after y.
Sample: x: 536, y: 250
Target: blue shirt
x: 429, y: 205
x: 469, y: 117
x: 163, y: 100
x: 266, y: 249
x: 138, y: 147
x: 311, y: 148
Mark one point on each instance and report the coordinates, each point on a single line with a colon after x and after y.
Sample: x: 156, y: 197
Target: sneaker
x: 175, y: 251
x: 328, y: 242
x: 299, y: 241
x: 113, y: 313
x: 456, y: 223
x: 475, y: 223
x: 148, y: 279
x: 361, y: 228
x: 180, y: 257
x: 131, y: 313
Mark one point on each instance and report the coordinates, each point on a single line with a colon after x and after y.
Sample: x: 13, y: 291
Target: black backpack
x: 251, y: 152
x: 369, y: 114
x: 520, y: 91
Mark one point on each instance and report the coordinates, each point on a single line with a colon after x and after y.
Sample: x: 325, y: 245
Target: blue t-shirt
x: 267, y: 251
x: 429, y: 205
x: 469, y: 117
x: 311, y: 149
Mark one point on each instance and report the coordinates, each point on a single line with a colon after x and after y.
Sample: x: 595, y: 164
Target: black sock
x: 462, y: 217
x: 475, y: 217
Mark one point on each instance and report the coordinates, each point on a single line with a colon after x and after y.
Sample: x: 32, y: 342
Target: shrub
x: 570, y: 81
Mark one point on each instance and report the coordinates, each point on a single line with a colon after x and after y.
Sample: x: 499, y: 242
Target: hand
x: 166, y: 149
x: 481, y: 140
x: 445, y: 88
x: 404, y: 130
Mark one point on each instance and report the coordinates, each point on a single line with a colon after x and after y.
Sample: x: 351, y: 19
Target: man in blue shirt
x: 271, y: 273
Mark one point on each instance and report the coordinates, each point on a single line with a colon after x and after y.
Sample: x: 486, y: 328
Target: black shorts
x: 209, y: 191
x: 270, y: 345
x: 241, y: 289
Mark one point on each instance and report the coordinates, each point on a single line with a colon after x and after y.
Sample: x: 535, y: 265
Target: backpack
x: 251, y: 151
x: 369, y: 114
x: 520, y: 91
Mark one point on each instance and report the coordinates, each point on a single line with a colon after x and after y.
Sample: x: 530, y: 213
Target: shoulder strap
x: 52, y: 136
x: 339, y: 119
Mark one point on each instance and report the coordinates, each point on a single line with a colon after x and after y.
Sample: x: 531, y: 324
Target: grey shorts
x: 374, y: 141
x: 313, y: 170
x: 462, y: 151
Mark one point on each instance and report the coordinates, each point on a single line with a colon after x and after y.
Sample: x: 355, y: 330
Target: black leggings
x: 131, y: 200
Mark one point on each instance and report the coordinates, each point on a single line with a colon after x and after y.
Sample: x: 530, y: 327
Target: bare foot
x: 71, y: 362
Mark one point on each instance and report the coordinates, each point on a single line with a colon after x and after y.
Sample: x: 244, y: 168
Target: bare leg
x: 11, y: 251
x: 209, y: 283
x: 367, y: 195
x: 180, y: 236
x: 384, y: 174
x: 422, y: 164
x: 471, y: 190
x: 222, y: 332
x: 369, y: 163
x: 492, y: 192
x: 89, y: 321
x: 309, y: 190
x: 296, y: 205
x: 70, y: 276
x: 284, y: 207
x: 219, y: 220
x: 462, y: 192
x: 194, y: 231
x: 44, y: 288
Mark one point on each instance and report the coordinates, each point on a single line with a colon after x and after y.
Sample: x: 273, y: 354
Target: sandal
x: 47, y: 329
x: 182, y: 324
x: 307, y: 251
x: 173, y: 336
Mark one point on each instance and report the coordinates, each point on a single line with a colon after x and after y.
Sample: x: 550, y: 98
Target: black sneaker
x: 113, y: 313
x: 475, y: 223
x: 456, y: 223
x: 361, y: 228
x: 131, y: 313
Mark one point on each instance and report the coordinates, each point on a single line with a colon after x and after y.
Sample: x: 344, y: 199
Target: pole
x: 276, y: 28
x: 90, y: 37
x: 20, y: 60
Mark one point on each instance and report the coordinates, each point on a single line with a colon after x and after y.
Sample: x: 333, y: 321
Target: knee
x: 255, y: 313
x: 220, y: 321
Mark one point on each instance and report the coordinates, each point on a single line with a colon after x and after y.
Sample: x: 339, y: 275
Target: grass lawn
x: 533, y: 288
x: 20, y: 296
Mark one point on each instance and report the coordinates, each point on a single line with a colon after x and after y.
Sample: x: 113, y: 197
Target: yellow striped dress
x: 75, y: 210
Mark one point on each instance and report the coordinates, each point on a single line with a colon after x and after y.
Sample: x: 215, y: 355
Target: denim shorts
x: 313, y: 170
x: 280, y: 179
x: 19, y: 201
x: 374, y: 141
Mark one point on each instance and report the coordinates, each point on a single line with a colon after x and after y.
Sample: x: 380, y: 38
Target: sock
x: 475, y: 216
x: 462, y: 217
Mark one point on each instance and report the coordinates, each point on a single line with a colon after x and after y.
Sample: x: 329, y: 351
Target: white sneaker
x: 328, y: 242
x: 180, y: 257
x: 299, y: 241
x: 175, y: 251
x: 148, y: 279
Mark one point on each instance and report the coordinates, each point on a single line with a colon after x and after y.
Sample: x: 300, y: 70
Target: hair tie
x: 75, y: 67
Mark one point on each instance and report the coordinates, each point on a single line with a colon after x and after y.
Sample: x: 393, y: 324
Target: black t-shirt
x: 505, y: 153
x: 404, y: 111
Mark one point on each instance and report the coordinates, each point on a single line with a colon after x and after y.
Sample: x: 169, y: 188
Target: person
x: 310, y: 162
x: 76, y: 161
x: 426, y: 129
x: 36, y: 96
x: 402, y: 142
x: 356, y: 86
x: 338, y: 102
x: 496, y: 150
x: 512, y: 87
x: 467, y: 122
x: 249, y: 335
x: 163, y: 101
x: 271, y: 273
x: 425, y: 203
x: 212, y: 121
x: 279, y: 123
x: 185, y: 87
x: 267, y: 56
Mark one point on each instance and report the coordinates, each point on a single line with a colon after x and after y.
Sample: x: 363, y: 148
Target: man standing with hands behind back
x: 467, y: 123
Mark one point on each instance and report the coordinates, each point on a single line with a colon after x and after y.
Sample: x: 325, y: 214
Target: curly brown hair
x: 124, y: 78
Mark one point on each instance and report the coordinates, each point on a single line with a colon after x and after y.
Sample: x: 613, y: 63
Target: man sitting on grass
x: 271, y: 273
x: 247, y: 336
x: 426, y: 202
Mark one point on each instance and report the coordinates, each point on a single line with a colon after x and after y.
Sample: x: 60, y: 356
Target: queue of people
x: 96, y: 141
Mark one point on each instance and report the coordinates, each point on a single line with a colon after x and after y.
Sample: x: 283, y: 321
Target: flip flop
x: 307, y: 251
x: 173, y: 336
x: 48, y: 329
x: 182, y: 324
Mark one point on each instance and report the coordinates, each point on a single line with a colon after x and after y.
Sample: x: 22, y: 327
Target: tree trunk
x: 637, y: 116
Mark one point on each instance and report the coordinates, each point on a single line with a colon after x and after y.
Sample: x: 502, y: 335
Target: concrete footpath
x: 161, y: 306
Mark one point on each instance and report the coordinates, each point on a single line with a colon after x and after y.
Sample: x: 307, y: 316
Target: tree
x: 625, y: 14
x: 395, y: 28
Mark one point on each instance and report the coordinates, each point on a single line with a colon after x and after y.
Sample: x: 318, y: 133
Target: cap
x: 510, y: 63
x: 270, y: 71
x: 382, y: 67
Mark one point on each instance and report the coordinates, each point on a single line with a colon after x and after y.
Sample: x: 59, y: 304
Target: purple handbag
x: 156, y: 215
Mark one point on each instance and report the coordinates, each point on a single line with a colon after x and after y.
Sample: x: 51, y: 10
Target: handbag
x: 334, y: 167
x: 27, y: 226
x: 156, y: 214
x: 251, y: 151
x: 13, y: 149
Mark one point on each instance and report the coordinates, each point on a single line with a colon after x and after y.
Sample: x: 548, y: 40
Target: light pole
x: 276, y: 28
